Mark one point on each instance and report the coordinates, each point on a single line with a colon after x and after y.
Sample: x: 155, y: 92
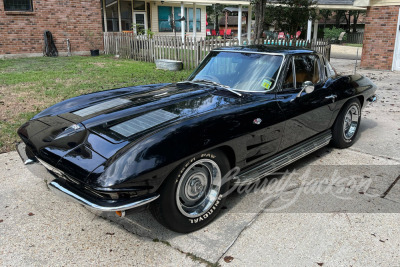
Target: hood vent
x: 143, y: 122
x: 101, y: 107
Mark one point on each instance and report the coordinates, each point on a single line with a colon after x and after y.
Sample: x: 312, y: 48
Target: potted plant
x: 93, y: 39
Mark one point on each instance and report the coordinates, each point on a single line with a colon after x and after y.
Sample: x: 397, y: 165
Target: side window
x: 307, y: 69
x: 330, y: 69
x: 289, y: 82
x: 324, y: 67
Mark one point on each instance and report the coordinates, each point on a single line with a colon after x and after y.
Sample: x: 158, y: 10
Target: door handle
x: 333, y: 97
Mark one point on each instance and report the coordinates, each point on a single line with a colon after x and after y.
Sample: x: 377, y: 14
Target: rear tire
x: 347, y: 123
x: 192, y: 195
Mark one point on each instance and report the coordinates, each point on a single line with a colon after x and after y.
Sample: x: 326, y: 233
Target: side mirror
x: 308, y: 87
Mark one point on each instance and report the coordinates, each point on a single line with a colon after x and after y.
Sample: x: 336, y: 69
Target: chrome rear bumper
x: 373, y: 99
x: 61, y: 187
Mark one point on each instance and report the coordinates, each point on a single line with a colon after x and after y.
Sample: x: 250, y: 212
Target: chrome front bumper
x: 61, y: 187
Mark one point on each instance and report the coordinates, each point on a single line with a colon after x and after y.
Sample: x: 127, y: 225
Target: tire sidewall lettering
x: 208, y: 213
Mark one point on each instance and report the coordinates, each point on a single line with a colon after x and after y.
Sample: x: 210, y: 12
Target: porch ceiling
x: 208, y: 2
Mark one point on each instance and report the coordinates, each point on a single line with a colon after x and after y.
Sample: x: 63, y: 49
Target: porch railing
x: 191, y: 52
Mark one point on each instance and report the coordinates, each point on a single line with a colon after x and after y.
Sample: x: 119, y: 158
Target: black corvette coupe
x: 170, y: 146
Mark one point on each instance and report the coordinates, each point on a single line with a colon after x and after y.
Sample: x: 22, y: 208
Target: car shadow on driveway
x: 245, y: 204
x: 365, y: 125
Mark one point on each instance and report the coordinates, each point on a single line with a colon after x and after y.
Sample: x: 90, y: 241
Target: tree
x: 259, y: 13
x: 325, y: 14
x: 215, y: 11
x: 356, y: 14
x: 291, y: 15
x: 347, y: 16
x: 339, y: 17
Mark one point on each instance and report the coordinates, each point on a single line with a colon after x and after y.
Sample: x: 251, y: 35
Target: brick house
x: 22, y: 23
x: 381, y: 46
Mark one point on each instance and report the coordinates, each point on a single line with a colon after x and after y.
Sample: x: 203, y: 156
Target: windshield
x: 241, y: 71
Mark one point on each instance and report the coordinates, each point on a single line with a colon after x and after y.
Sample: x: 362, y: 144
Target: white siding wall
x: 154, y: 19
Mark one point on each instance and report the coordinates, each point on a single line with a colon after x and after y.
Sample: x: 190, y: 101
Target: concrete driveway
x: 334, y: 207
x: 345, y: 52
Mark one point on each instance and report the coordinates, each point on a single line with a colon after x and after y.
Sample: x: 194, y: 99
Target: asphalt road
x: 338, y: 208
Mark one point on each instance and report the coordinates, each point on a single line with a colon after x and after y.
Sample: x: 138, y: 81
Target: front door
x: 306, y: 114
x: 140, y: 21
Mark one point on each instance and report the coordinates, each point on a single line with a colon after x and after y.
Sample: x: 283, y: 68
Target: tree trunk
x: 355, y: 19
x: 259, y: 12
x: 348, y: 21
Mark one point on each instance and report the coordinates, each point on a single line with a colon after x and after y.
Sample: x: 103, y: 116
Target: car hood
x: 119, y: 116
x: 128, y: 116
x: 79, y: 134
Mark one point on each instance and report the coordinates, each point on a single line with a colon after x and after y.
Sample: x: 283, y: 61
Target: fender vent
x: 101, y: 107
x: 142, y: 123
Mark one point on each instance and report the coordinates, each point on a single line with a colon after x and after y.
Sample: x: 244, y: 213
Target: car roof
x: 286, y: 50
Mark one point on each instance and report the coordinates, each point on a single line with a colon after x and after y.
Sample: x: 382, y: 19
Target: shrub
x: 334, y: 33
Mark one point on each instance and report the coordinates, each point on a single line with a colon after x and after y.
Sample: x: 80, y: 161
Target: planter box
x: 168, y: 64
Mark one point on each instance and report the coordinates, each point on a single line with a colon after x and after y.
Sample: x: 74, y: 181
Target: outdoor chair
x: 281, y: 35
x: 213, y: 33
x: 340, y: 39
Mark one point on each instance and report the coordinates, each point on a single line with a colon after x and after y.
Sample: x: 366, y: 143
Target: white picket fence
x: 190, y: 52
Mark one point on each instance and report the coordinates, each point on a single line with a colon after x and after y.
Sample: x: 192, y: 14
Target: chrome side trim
x: 75, y: 197
x: 283, y: 159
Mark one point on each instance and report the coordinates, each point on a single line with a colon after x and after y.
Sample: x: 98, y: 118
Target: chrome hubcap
x: 198, y: 188
x: 350, y: 123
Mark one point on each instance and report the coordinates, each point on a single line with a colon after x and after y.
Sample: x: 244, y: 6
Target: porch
x: 185, y: 19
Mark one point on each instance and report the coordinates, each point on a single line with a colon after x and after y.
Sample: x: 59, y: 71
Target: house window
x: 18, y: 5
x: 139, y: 5
x: 198, y: 19
x: 177, y: 15
x: 164, y: 18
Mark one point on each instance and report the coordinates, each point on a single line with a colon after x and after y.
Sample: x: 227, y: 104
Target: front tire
x: 347, y: 123
x: 192, y: 195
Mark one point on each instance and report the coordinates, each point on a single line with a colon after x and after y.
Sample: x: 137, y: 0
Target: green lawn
x: 29, y: 85
x: 355, y: 45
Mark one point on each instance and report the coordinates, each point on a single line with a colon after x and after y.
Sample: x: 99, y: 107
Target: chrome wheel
x: 198, y: 188
x: 351, y: 120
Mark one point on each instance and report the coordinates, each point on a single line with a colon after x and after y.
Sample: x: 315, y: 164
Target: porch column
x: 309, y: 28
x: 104, y: 16
x: 119, y: 16
x: 240, y: 25
x: 315, y: 30
x: 194, y: 21
x: 226, y: 23
x: 249, y: 16
x: 182, y: 22
x: 133, y: 20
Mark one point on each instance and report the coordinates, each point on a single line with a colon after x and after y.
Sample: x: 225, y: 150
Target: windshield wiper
x: 216, y: 84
